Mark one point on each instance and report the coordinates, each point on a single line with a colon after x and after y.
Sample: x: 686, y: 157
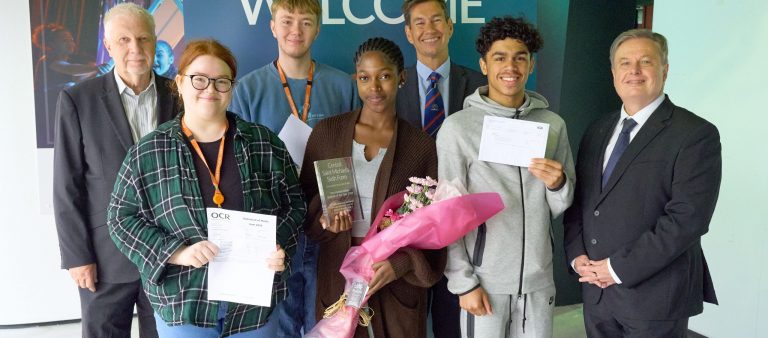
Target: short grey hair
x: 657, y: 38
x: 130, y: 9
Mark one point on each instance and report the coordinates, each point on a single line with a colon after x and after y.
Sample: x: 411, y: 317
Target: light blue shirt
x: 423, y: 73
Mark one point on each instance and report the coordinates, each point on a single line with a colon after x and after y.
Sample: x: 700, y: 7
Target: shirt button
x: 597, y: 212
x: 593, y: 241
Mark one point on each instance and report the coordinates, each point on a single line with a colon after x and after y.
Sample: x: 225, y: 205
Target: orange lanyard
x: 287, y: 90
x: 218, y: 197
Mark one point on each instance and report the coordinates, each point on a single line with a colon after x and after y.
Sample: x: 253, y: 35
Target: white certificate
x: 511, y: 141
x: 239, y: 273
x: 295, y: 134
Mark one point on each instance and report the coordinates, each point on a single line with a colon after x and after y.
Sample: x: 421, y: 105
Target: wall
x: 717, y: 59
x: 31, y: 278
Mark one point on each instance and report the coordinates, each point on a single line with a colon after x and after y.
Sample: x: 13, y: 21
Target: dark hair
x: 409, y: 4
x: 500, y: 28
x: 386, y: 47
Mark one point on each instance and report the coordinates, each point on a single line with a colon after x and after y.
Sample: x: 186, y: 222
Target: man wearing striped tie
x: 434, y: 88
x: 502, y: 271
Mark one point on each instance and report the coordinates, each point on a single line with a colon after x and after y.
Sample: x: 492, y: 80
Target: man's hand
x: 85, y: 276
x: 276, y: 261
x: 383, y: 274
x: 579, y: 263
x: 548, y: 171
x: 196, y: 255
x: 476, y: 302
x: 341, y: 222
x: 597, y: 273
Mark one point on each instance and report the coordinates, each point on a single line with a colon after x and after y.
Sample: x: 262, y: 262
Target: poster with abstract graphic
x: 67, y: 48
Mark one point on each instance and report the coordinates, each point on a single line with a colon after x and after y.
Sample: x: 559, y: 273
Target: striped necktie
x: 434, y: 111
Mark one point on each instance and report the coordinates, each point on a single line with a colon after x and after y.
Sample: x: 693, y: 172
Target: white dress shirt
x: 141, y: 109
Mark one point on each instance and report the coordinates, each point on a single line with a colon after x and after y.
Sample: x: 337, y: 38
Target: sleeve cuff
x: 401, y: 263
x: 562, y: 184
x: 613, y: 273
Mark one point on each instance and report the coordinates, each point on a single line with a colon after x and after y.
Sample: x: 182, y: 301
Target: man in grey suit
x: 648, y: 181
x: 97, y: 121
x: 440, y: 86
x: 429, y: 29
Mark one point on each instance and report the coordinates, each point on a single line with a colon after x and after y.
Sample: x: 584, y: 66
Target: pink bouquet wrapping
x: 431, y: 226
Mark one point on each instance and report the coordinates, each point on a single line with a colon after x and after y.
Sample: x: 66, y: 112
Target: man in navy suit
x: 429, y: 28
x: 648, y: 181
x: 97, y: 121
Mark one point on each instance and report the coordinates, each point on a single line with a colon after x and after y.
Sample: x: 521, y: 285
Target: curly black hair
x: 390, y: 49
x: 500, y: 28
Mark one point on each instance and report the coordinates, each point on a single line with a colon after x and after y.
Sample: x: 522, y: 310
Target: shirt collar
x: 444, y: 70
x: 643, y: 114
x: 121, y: 86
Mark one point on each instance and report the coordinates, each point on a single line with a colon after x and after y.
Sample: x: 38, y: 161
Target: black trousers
x: 108, y: 312
x: 445, y: 311
x: 601, y: 323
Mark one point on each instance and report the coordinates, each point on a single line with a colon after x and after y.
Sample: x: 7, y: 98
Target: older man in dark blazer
x: 97, y: 121
x: 434, y: 88
x: 648, y: 178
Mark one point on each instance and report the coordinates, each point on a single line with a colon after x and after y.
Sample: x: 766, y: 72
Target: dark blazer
x: 91, y: 140
x: 463, y: 82
x: 650, y: 216
x: 400, y: 308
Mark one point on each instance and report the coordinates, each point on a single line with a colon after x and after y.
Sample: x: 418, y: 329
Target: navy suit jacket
x: 462, y: 82
x: 91, y: 139
x: 650, y: 216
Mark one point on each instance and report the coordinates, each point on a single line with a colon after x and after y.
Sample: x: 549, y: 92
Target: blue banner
x: 243, y: 26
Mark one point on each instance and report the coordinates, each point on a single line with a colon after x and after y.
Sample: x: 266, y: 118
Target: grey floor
x: 568, y: 324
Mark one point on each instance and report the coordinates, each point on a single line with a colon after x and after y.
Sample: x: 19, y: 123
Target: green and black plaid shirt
x: 157, y: 206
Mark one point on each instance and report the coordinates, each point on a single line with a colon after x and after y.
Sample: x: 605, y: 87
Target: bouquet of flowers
x: 432, y: 216
x: 419, y: 194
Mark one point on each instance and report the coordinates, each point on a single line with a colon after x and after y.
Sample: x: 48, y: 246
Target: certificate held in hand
x: 512, y: 141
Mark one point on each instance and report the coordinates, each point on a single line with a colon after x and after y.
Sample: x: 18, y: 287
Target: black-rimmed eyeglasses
x: 201, y: 82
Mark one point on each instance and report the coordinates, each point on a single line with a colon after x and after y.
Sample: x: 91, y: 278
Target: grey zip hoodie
x: 517, y: 241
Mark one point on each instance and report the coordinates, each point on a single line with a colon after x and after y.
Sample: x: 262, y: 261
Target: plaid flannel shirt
x: 157, y: 206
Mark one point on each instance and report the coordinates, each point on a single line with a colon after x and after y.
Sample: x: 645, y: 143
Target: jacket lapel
x: 411, y: 92
x: 456, y: 88
x: 651, y: 128
x: 114, y: 109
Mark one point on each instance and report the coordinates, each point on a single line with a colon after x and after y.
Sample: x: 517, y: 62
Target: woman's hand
x: 383, y: 274
x: 276, y: 260
x: 341, y: 222
x: 196, y: 255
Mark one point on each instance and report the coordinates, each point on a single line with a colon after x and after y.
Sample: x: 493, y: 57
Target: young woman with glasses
x: 204, y: 158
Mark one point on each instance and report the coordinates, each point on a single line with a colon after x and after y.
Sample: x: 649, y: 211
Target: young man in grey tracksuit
x: 502, y: 271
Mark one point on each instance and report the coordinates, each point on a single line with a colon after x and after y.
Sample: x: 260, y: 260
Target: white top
x: 141, y: 109
x: 365, y: 175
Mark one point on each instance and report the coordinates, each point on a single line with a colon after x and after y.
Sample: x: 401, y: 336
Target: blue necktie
x: 618, y: 149
x: 434, y: 111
